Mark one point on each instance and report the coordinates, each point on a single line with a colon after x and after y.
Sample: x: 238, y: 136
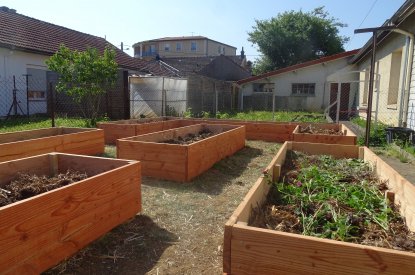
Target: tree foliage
x: 294, y: 37
x: 85, y: 76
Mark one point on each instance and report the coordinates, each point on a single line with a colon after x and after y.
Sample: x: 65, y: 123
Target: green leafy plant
x: 335, y: 198
x: 84, y: 76
x: 377, y: 135
x: 293, y: 37
x: 188, y: 113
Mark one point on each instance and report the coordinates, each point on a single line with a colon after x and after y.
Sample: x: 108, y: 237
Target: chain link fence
x: 346, y: 100
x: 22, y: 96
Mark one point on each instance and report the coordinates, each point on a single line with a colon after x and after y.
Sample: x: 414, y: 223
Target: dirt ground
x: 180, y: 230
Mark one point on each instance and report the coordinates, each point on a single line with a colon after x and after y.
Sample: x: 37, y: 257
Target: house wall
x: 390, y: 69
x: 283, y: 88
x: 206, y: 94
x: 16, y: 63
x: 411, y: 103
x: 222, y: 68
x: 216, y: 48
x: 204, y: 47
x: 409, y: 25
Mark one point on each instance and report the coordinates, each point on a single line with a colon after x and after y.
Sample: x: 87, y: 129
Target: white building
x: 307, y: 86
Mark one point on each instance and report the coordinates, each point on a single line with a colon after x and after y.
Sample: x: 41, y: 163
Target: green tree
x: 294, y: 37
x: 84, y: 76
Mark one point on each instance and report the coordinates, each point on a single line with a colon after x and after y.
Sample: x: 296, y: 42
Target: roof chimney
x: 6, y: 9
x: 242, y: 53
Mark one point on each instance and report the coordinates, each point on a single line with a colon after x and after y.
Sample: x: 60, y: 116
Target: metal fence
x: 22, y: 96
x: 345, y: 99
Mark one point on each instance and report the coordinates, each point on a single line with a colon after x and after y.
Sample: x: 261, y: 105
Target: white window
x: 193, y: 46
x: 167, y: 47
x: 178, y: 47
x: 264, y: 87
x: 307, y: 89
x: 37, y: 85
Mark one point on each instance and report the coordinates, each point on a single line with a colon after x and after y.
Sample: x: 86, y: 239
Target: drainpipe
x: 408, y: 72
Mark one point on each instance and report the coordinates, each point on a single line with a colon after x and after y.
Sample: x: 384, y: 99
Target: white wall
x: 15, y: 63
x: 387, y: 113
x: 313, y: 74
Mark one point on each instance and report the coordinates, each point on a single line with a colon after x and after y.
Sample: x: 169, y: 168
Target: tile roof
x: 24, y: 33
x: 300, y: 66
x: 190, y: 65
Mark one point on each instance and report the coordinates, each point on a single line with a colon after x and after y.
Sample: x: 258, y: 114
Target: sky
x: 226, y: 21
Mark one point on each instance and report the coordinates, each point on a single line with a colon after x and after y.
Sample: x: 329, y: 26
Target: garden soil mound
x: 25, y: 185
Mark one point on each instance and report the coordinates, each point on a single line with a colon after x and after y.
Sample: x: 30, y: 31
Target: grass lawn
x: 279, y: 116
x: 24, y: 123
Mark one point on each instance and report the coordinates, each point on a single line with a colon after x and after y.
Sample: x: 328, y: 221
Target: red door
x: 344, y: 101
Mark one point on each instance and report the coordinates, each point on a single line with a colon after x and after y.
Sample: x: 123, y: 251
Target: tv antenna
x: 15, y: 103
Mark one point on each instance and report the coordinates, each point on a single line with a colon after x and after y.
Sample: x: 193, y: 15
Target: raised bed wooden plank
x: 348, y: 137
x: 114, y: 131
x: 403, y: 189
x: 204, y: 154
x: 65, y: 140
x: 181, y: 162
x: 68, y: 218
x: 160, y: 159
x: 261, y: 251
x: 250, y: 250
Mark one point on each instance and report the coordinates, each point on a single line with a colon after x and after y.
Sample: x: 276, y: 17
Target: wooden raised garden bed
x: 40, y: 231
x: 22, y: 144
x: 181, y: 162
x: 255, y: 130
x: 324, y: 133
x: 252, y: 250
x: 133, y: 127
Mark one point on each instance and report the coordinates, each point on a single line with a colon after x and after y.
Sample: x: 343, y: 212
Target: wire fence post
x: 163, y: 97
x: 27, y: 94
x: 216, y: 100
x: 273, y: 104
x: 52, y: 104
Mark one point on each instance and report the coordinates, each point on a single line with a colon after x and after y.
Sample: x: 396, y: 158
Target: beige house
x: 185, y: 46
x: 394, y: 87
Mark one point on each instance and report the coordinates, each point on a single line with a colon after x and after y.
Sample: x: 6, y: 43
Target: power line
x: 364, y: 19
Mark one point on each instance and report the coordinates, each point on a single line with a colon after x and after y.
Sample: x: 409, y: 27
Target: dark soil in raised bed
x: 25, y: 185
x: 318, y: 131
x: 190, y: 138
x: 277, y: 214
